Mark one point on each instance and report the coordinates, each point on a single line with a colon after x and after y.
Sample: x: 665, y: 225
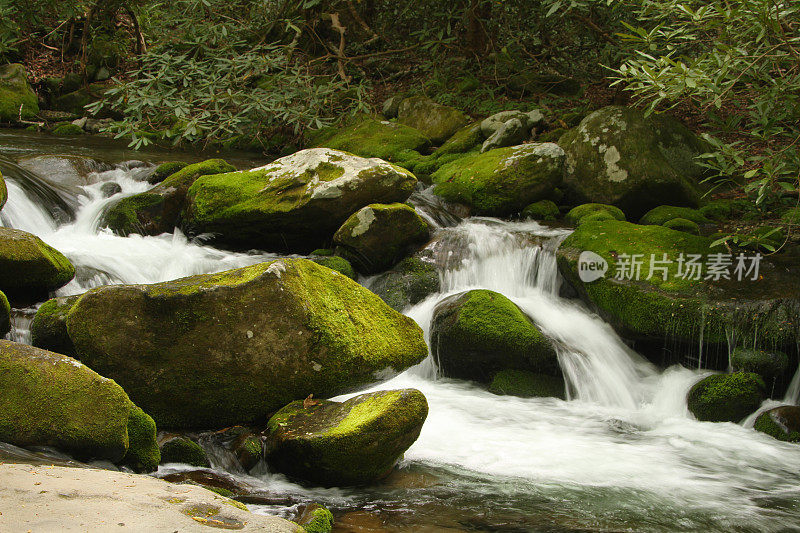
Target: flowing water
x: 622, y: 454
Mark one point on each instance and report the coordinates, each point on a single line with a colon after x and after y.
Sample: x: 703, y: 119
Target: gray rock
x: 110, y: 188
x: 510, y: 133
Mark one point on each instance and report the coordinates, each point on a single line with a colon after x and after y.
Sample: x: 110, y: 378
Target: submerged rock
x: 214, y: 350
x: 29, y: 267
x: 52, y: 400
x: 618, y: 156
x: 480, y: 332
x: 726, y: 397
x: 437, y: 122
x: 502, y: 182
x: 782, y: 423
x: 350, y: 443
x: 16, y: 95
x: 295, y: 203
x: 158, y: 210
x: 407, y: 283
x: 379, y: 235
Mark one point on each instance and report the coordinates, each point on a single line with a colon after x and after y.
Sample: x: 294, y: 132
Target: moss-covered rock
x: 726, y: 397
x: 68, y: 129
x: 5, y: 315
x: 542, y: 210
x: 527, y: 384
x: 618, y: 156
x: 376, y: 138
x: 437, y: 122
x: 30, y: 267
x: 480, y: 332
x: 379, y: 235
x: 409, y: 282
x: 16, y: 93
x: 355, y: 442
x: 339, y: 264
x: 76, y: 101
x: 143, y: 454
x: 213, y: 350
x: 184, y: 450
x: 3, y: 191
x: 158, y: 210
x: 664, y: 213
x: 502, y: 182
x: 49, y: 326
x: 466, y: 139
x: 316, y: 519
x: 682, y: 224
x: 576, y: 214
x: 295, y: 203
x: 782, y: 423
x: 165, y: 170
x: 52, y: 400
x: 718, y: 209
x: 767, y: 364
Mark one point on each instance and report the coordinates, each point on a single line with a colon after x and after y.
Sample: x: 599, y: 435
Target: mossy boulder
x: 677, y: 304
x: 29, y: 267
x: 184, y: 450
x: 407, y: 283
x: 52, y: 400
x: 527, y: 385
x: 339, y: 264
x: 67, y: 130
x: 350, y: 443
x: 682, y: 224
x: 576, y: 214
x: 16, y: 93
x: 165, y: 170
x: 49, y: 326
x: 379, y: 235
x: 5, y: 315
x: 782, y: 423
x: 718, y: 210
x: 214, y: 350
x: 504, y: 181
x: 467, y: 139
x: 480, y: 332
x: 542, y: 210
x: 158, y: 210
x: 769, y: 364
x: 726, y: 397
x: 436, y: 122
x: 376, y: 138
x: 664, y: 213
x: 620, y: 157
x: 295, y: 203
x: 3, y: 191
x: 316, y: 519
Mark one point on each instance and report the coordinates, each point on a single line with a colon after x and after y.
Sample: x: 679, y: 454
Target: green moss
x: 321, y: 521
x: 527, y: 385
x: 726, y: 397
x: 15, y: 93
x: 5, y: 315
x: 65, y: 130
x: 3, y: 191
x: 338, y: 264
x: 437, y: 122
x: 786, y: 430
x: 660, y: 215
x: 323, y: 252
x: 718, y: 209
x: 143, y: 454
x: 49, y: 326
x: 792, y: 216
x: 183, y: 450
x: 541, y: 210
x: 552, y: 136
x: 28, y: 265
x: 374, y: 138
x: 409, y: 282
x: 767, y: 364
x: 165, y: 170
x: 196, y: 284
x: 682, y: 224
x: 464, y: 140
x: 503, y: 181
x: 577, y: 213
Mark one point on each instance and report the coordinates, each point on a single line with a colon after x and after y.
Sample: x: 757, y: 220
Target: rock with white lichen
x: 619, y: 156
x: 214, y: 350
x: 295, y: 203
x: 379, y: 235
x: 348, y: 443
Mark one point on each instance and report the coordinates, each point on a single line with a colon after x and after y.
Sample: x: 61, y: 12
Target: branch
x: 39, y: 124
x: 141, y: 47
x: 362, y: 23
x: 340, y: 56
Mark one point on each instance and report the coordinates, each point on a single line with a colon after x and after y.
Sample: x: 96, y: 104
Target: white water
x: 623, y: 452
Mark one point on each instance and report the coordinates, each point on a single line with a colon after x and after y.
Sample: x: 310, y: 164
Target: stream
x: 621, y: 454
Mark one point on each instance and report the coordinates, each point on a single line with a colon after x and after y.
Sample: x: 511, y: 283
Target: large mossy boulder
x: 726, y: 397
x: 504, y: 181
x: 379, y: 235
x: 16, y: 93
x: 407, y: 283
x: 480, y: 332
x: 295, y: 203
x: 376, y: 138
x: 49, y: 326
x: 769, y: 364
x: 49, y: 399
x: 158, y: 210
x: 437, y: 122
x: 678, y: 302
x: 350, y: 443
x: 214, y: 350
x: 664, y: 213
x: 5, y: 315
x: 29, y: 267
x: 782, y: 423
x: 578, y: 213
x: 619, y: 156
x: 467, y: 139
